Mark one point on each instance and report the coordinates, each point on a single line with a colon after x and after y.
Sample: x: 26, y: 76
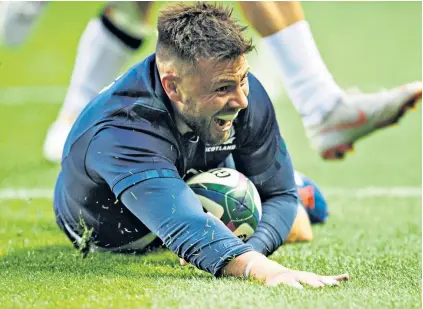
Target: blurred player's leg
x: 312, y: 198
x: 359, y: 114
x: 309, y: 84
x: 17, y: 18
x: 334, y: 120
x: 104, y: 48
x: 262, y: 62
x: 312, y: 209
x: 301, y: 228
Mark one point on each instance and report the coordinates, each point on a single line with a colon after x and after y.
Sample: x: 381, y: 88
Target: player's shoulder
x: 257, y: 95
x: 254, y: 122
x: 259, y: 102
x: 130, y: 102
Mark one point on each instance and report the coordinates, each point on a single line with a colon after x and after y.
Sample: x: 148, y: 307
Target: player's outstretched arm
x: 255, y: 265
x: 171, y: 210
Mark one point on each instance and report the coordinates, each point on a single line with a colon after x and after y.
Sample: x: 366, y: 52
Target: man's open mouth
x: 224, y: 121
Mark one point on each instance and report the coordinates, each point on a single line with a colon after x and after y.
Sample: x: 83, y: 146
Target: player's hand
x: 183, y: 262
x: 295, y: 278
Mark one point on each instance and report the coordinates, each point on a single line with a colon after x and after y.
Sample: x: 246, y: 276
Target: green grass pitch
x: 374, y: 228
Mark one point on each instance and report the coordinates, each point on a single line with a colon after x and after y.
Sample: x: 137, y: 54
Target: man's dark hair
x: 201, y: 31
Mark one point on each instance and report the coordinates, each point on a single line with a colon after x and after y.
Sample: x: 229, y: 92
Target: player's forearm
x: 278, y: 191
x: 276, y: 223
x: 260, y: 267
x: 172, y: 212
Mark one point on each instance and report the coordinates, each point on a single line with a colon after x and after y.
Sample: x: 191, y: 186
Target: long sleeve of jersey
x: 280, y: 205
x: 264, y: 158
x: 132, y: 165
x: 172, y: 211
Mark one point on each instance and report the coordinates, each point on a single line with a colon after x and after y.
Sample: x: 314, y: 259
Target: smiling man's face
x: 213, y: 97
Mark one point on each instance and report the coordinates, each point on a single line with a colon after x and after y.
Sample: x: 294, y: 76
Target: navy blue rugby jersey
x: 124, y: 161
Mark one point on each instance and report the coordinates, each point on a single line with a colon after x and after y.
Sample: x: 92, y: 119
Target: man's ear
x: 170, y: 83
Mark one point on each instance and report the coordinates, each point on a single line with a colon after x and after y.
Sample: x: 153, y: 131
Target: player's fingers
x: 314, y: 282
x: 287, y: 281
x: 333, y: 280
x: 329, y: 281
x: 183, y: 262
x: 295, y: 284
x: 339, y: 277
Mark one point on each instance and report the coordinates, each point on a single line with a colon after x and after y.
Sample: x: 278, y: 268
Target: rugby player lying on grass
x: 120, y: 183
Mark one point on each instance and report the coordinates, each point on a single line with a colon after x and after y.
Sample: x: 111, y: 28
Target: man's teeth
x: 227, y: 117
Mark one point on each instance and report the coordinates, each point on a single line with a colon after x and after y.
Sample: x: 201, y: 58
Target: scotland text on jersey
x: 226, y: 146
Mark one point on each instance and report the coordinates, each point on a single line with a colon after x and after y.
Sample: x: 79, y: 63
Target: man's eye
x: 223, y: 89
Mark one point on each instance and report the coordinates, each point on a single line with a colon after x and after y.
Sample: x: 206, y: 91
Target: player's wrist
x: 237, y: 266
x: 264, y: 269
x: 253, y: 265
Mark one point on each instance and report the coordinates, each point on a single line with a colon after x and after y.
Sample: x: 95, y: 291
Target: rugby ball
x: 231, y: 197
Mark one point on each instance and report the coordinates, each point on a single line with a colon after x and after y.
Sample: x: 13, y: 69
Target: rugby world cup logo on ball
x: 231, y: 197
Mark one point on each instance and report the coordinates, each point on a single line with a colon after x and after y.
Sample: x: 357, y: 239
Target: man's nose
x: 239, y: 99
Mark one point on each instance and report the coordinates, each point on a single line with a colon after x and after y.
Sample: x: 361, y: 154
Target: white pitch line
x: 367, y: 192
x: 373, y: 192
x: 25, y: 193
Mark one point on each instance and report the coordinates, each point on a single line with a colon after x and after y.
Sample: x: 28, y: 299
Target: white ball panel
x: 230, y: 179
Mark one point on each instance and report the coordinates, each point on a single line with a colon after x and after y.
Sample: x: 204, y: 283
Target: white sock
x: 309, y: 85
x: 99, y: 60
x: 262, y: 62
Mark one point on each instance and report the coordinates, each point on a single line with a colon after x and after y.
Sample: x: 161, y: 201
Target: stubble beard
x: 201, y: 126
